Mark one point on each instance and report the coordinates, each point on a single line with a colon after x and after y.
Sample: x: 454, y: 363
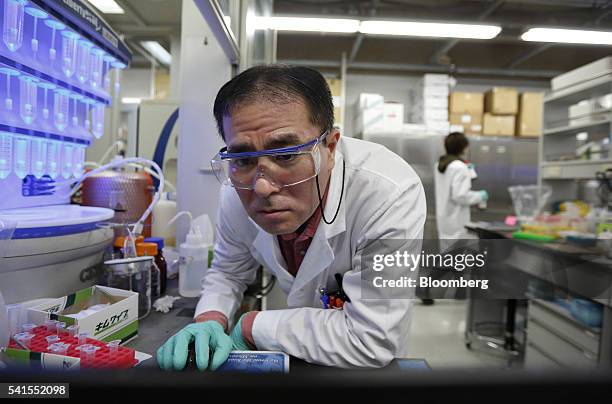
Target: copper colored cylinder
x: 127, y: 193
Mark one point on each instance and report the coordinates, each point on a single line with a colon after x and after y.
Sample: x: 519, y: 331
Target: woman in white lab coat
x: 454, y: 195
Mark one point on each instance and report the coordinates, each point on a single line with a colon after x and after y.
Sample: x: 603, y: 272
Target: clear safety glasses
x: 282, y: 167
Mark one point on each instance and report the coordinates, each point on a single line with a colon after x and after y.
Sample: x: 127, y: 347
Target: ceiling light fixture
x: 159, y: 52
x: 306, y: 24
x: 429, y: 29
x: 560, y: 35
x: 107, y: 6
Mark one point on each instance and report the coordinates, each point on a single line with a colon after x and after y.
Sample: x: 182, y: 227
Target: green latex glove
x: 484, y: 195
x: 238, y: 341
x: 209, y: 338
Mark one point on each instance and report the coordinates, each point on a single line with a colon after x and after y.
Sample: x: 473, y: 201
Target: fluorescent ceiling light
x: 429, y: 29
x: 158, y: 51
x: 131, y: 100
x: 107, y: 6
x: 306, y: 24
x: 568, y: 36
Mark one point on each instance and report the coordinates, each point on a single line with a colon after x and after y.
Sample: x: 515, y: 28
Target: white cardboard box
x: 370, y: 120
x: 119, y: 320
x: 368, y: 100
x: 393, y: 119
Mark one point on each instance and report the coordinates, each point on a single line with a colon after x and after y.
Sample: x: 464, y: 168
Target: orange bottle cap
x: 149, y: 249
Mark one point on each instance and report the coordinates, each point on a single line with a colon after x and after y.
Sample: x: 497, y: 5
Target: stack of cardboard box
x: 501, y: 108
x: 374, y: 115
x: 466, y: 111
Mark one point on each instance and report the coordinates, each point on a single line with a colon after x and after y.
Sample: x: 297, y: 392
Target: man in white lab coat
x: 303, y: 203
x: 454, y: 195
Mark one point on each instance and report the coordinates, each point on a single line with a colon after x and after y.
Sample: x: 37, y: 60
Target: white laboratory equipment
x: 49, y: 98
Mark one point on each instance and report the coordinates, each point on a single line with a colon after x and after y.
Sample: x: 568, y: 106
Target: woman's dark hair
x: 455, y: 143
x: 277, y: 83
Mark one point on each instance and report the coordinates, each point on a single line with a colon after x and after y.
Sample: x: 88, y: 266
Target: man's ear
x: 332, y: 140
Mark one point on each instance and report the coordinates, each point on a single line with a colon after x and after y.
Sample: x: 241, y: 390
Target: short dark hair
x: 277, y: 83
x: 455, y: 143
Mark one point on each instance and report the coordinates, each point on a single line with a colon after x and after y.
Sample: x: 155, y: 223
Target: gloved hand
x: 484, y: 195
x: 209, y: 337
x: 471, y: 166
x: 238, y: 341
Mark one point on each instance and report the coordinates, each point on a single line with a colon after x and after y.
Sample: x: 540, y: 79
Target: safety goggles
x: 283, y: 167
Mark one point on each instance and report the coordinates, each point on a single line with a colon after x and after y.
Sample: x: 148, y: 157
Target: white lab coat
x: 454, y: 196
x: 383, y: 199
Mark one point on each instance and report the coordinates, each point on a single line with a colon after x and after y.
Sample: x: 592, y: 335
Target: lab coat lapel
x: 267, y: 246
x: 320, y: 253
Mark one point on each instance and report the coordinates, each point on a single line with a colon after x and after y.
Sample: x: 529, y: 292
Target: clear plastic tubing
x: 73, y: 330
x: 53, y: 158
x: 12, y: 30
x: 69, y: 52
x: 37, y: 14
x: 6, y: 154
x: 39, y: 161
x: 46, y: 87
x: 8, y: 98
x: 97, y: 119
x: 79, y: 161
x: 55, y: 26
x: 28, y: 94
x: 75, y: 108
x: 96, y: 60
x: 24, y: 338
x: 67, y: 158
x: 22, y: 157
x: 82, y: 60
x: 108, y: 61
x: 61, y: 106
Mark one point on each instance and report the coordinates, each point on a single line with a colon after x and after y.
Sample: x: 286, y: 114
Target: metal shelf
x: 598, y: 86
x: 569, y: 129
x: 573, y: 170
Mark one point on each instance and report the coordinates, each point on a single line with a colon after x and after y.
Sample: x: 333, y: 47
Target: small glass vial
x: 21, y: 165
x: 61, y: 108
x: 6, y: 154
x: 28, y: 98
x: 55, y: 27
x: 37, y: 14
x: 12, y: 29
x: 69, y: 52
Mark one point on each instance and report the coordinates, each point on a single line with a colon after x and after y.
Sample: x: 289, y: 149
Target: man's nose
x: 264, y: 187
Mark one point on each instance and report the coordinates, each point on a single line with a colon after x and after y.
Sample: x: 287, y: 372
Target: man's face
x: 263, y: 125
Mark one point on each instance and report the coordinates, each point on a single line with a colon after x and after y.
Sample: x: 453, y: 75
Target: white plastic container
x: 193, y: 257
